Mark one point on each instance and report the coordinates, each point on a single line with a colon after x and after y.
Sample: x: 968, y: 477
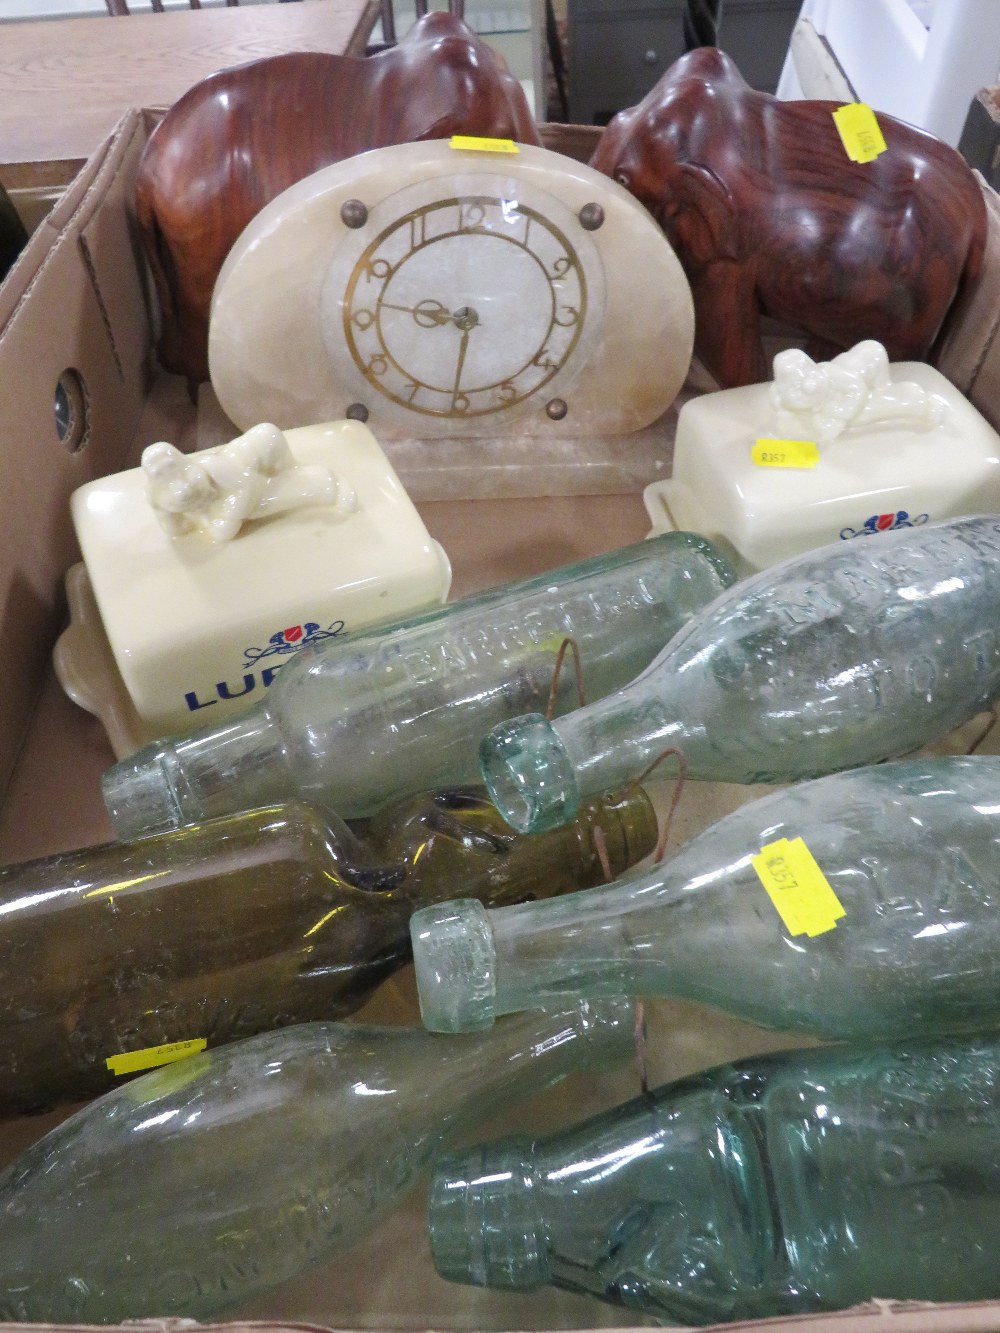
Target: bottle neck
x: 659, y: 1205
x: 538, y: 771
x: 190, y: 779
x: 473, y: 964
x: 524, y: 1054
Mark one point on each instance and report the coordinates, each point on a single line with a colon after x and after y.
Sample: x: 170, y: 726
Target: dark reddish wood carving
x: 237, y: 139
x: 770, y: 217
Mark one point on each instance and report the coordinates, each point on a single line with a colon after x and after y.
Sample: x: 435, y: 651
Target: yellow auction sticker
x: 859, y: 131
x: 785, y: 453
x: 474, y: 144
x: 796, y: 885
x: 130, y: 1062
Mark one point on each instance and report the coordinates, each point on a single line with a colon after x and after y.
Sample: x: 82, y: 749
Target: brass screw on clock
x: 353, y: 213
x: 591, y: 217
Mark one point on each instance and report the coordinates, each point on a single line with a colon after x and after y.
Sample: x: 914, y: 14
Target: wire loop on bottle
x: 568, y: 642
x: 679, y: 782
x: 601, y: 848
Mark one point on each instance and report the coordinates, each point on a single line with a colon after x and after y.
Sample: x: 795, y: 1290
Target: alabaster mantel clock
x: 435, y: 290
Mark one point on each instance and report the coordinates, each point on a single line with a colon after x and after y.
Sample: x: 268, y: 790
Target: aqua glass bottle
x: 845, y: 655
x: 113, y: 958
x: 199, y: 1185
x: 858, y: 906
x: 780, y: 1185
x: 353, y: 723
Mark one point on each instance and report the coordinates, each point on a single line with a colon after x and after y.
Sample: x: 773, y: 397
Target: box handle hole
x: 72, y: 410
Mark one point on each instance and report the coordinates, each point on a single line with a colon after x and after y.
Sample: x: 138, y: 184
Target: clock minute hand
x: 465, y: 319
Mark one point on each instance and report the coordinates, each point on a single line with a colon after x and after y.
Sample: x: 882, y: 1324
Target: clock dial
x: 448, y: 292
x: 463, y: 309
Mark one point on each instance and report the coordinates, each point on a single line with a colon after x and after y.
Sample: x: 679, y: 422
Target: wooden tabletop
x: 64, y: 83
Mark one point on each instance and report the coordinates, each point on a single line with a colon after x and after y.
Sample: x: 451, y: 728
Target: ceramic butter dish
x: 210, y: 570
x: 826, y: 451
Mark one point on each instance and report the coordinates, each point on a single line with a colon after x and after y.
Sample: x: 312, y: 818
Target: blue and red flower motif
x: 899, y: 518
x: 290, y: 640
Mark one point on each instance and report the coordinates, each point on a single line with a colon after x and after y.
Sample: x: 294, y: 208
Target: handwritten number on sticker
x: 785, y: 453
x: 801, y: 893
x: 859, y: 131
x: 477, y: 144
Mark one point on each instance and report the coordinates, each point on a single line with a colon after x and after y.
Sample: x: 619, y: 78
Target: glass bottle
x: 899, y: 935
x: 248, y: 922
x: 845, y: 655
x: 199, y: 1185
x: 778, y: 1185
x: 353, y: 723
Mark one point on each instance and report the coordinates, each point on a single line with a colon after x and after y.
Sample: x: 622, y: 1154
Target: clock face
x: 460, y: 308
x: 442, y: 292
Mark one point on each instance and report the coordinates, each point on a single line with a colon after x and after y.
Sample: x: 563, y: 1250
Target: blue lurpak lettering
x: 225, y: 689
x: 284, y: 643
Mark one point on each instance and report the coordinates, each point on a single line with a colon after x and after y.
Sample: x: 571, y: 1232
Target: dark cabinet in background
x: 617, y: 49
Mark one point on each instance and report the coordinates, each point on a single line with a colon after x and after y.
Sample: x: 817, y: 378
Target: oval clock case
x: 441, y: 291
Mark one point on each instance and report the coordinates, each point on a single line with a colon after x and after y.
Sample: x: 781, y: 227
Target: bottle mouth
x: 455, y: 964
x: 483, y: 1219
x: 528, y: 774
x: 139, y: 796
x: 635, y: 831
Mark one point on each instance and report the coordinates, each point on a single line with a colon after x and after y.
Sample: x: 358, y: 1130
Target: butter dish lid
x: 209, y: 570
x: 828, y: 451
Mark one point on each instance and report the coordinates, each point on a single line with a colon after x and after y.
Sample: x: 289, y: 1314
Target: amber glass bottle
x: 247, y: 923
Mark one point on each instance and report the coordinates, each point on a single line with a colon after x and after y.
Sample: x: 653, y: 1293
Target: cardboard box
x: 78, y: 301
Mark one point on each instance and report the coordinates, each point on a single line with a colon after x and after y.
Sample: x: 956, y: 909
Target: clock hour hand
x: 428, y: 314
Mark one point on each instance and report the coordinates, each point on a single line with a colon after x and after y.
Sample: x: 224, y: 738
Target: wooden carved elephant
x: 239, y: 138
x: 769, y: 217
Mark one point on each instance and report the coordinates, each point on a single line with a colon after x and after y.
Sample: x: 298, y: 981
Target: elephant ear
x: 705, y: 224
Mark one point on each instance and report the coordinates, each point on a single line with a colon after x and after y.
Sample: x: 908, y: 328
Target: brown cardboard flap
x: 74, y: 301
x: 968, y: 353
x: 872, y: 1317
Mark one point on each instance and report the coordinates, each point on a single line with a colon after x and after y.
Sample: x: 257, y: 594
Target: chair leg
x: 388, y: 23
x: 117, y: 8
x: 457, y: 7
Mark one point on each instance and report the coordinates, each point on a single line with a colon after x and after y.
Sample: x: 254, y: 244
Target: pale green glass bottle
x: 779, y: 1185
x: 199, y: 1185
x: 249, y: 922
x: 845, y: 655
x: 910, y: 850
x: 353, y: 723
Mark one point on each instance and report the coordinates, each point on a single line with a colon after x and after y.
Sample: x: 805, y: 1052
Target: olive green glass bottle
x: 247, y: 923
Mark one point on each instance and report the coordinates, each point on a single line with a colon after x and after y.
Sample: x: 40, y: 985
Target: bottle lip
x: 528, y: 773
x: 455, y: 965
x: 139, y: 796
x: 483, y: 1218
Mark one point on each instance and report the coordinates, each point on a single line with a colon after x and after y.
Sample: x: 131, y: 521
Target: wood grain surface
x: 237, y: 140
x: 65, y: 83
x: 770, y: 217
